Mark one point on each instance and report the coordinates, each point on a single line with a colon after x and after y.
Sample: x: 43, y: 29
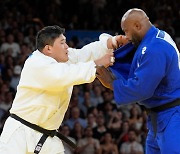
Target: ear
x: 137, y: 26
x: 47, y: 49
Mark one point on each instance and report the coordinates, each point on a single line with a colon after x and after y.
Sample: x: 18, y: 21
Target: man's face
x: 59, y: 49
x: 132, y: 136
x: 65, y: 130
x: 131, y: 32
x: 88, y: 132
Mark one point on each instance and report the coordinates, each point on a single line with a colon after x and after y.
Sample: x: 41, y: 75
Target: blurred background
x: 92, y: 112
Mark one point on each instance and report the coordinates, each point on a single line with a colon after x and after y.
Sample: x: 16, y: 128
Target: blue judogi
x: 153, y: 80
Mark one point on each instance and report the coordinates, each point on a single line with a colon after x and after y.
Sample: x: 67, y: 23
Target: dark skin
x: 135, y: 24
x: 105, y: 76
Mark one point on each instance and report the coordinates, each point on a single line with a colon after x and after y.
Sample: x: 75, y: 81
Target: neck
x: 147, y: 26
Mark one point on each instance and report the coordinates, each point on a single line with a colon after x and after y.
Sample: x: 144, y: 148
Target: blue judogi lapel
x: 123, y: 59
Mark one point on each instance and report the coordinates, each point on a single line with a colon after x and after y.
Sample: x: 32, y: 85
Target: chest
x: 138, y: 58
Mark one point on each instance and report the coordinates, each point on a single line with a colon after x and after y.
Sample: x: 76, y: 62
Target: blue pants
x: 167, y: 140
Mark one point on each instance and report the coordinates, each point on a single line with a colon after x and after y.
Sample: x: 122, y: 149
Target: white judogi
x: 43, y: 96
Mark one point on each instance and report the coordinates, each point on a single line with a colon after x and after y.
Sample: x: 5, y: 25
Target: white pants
x: 17, y: 138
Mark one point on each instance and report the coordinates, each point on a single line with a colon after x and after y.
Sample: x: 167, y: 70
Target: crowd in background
x: 93, y: 119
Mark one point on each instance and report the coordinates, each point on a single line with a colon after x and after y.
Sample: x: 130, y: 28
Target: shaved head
x: 134, y: 14
x: 135, y: 23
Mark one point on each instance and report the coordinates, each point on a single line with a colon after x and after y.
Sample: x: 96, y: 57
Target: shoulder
x: 158, y: 48
x: 39, y: 58
x: 162, y: 41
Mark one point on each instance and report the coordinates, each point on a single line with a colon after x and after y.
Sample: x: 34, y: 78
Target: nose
x: 127, y: 37
x: 66, y: 46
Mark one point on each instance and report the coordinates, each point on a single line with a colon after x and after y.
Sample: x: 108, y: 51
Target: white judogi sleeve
x: 91, y: 51
x: 43, y: 72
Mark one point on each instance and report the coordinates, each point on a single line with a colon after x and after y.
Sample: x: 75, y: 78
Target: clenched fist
x: 107, y: 60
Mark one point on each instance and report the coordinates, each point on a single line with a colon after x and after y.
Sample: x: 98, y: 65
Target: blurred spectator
x: 4, y: 88
x: 2, y: 63
x: 108, y: 96
x: 8, y: 99
x: 16, y: 77
x: 66, y: 132
x: 100, y: 129
x: 77, y: 91
x: 20, y: 38
x: 24, y: 54
x: 97, y: 99
x: 88, y: 144
x: 123, y: 137
x: 109, y: 110
x: 115, y: 123
x: 77, y: 132
x: 108, y: 146
x: 10, y: 44
x: 135, y: 120
x: 74, y: 101
x: 75, y: 117
x: 91, y: 121
x: 2, y: 36
x: 131, y: 146
x: 30, y: 38
x: 86, y: 103
x: 94, y: 111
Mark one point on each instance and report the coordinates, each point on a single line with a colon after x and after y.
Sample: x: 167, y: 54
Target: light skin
x: 59, y: 50
x: 120, y: 40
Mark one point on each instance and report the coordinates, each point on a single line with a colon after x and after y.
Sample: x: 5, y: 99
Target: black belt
x: 152, y: 112
x: 45, y: 133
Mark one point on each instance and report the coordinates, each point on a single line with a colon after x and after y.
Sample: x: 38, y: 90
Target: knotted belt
x: 45, y: 133
x: 152, y: 112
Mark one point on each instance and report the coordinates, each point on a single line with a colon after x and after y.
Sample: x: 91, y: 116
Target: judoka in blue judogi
x: 149, y: 76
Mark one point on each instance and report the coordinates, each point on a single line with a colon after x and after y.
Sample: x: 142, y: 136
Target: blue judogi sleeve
x: 144, y: 81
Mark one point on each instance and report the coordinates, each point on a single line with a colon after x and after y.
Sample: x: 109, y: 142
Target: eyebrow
x: 64, y: 39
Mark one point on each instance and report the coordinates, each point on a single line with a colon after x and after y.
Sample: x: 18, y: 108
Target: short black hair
x: 47, y: 36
